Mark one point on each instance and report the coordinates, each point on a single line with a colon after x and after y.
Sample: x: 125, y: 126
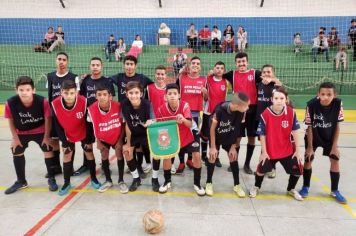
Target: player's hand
x: 299, y: 157
x: 309, y: 153
x: 180, y: 118
x: 46, y: 142
x: 149, y: 122
x: 68, y: 147
x: 213, y: 153
x: 211, y: 72
x: 232, y: 154
x: 204, y: 91
x: 14, y: 143
x: 127, y: 150
x: 263, y: 157
x: 266, y: 80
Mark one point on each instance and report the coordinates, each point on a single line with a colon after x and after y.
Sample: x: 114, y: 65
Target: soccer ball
x: 153, y: 221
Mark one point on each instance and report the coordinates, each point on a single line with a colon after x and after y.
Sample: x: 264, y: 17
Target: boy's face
x: 25, y: 92
x: 50, y: 30
x: 279, y: 99
x: 219, y: 70
x: 69, y: 95
x: 111, y: 38
x: 172, y: 96
x: 95, y: 67
x: 59, y: 29
x: 195, y: 66
x: 267, y: 72
x: 103, y: 97
x: 326, y: 95
x: 160, y: 77
x: 62, y: 62
x: 134, y: 95
x: 241, y: 107
x: 130, y: 67
x: 241, y: 64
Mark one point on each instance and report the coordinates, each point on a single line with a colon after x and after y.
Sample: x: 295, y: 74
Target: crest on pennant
x: 285, y: 123
x: 163, y: 139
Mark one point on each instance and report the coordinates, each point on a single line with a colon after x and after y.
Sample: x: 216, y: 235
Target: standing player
x: 70, y: 122
x: 178, y: 109
x: 323, y: 116
x: 278, y: 122
x: 217, y: 89
x: 29, y: 118
x: 224, y: 130
x: 54, y: 81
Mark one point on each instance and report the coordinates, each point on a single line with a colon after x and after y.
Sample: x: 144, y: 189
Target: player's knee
x: 334, y: 158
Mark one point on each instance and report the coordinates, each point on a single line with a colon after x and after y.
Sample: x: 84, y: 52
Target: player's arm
x: 261, y: 131
x: 212, y: 150
x: 229, y: 76
x: 334, y: 149
x: 48, y: 124
x: 310, y: 149
x: 204, y: 92
x: 15, y: 138
x: 295, y: 134
x: 67, y: 146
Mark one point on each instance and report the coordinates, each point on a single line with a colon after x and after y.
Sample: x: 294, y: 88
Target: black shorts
x: 53, y: 133
x: 192, y: 147
x: 326, y: 149
x: 205, y: 128
x: 226, y: 147
x: 25, y: 139
x: 290, y: 165
x: 250, y: 123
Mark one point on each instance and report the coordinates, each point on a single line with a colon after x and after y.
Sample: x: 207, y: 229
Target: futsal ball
x: 153, y: 221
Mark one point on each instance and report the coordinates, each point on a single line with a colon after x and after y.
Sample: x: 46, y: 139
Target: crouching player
x: 29, y: 118
x: 107, y: 125
x: 224, y: 130
x: 70, y: 113
x: 176, y: 109
x: 276, y: 125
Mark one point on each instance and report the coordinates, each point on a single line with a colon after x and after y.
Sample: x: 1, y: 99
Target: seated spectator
x: 241, y: 39
x: 59, y: 39
x: 322, y: 28
x: 228, y: 45
x: 110, y: 47
x: 341, y: 57
x: 204, y: 37
x: 49, y: 38
x: 164, y: 35
x: 136, y: 47
x: 120, y: 50
x: 216, y: 39
x: 297, y: 41
x: 192, y: 37
x: 179, y: 61
x: 320, y: 45
x: 352, y: 37
x: 333, y: 37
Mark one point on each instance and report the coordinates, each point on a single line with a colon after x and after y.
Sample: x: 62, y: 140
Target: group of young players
x: 83, y: 110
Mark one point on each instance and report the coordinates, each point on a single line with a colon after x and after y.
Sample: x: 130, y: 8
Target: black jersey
x: 120, y: 80
x: 323, y: 120
x: 27, y: 118
x: 264, y: 95
x: 229, y: 123
x: 89, y: 85
x: 54, y: 83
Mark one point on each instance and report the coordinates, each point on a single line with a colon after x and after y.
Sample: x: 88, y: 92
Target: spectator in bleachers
x: 179, y: 61
x: 204, y: 37
x: 341, y: 58
x: 333, y: 37
x: 215, y: 39
x: 48, y: 38
x: 320, y: 45
x: 192, y: 36
x: 164, y: 35
x: 120, y: 50
x: 322, y: 28
x: 241, y: 39
x: 298, y: 43
x: 59, y: 39
x: 228, y: 46
x: 136, y: 47
x: 110, y: 47
x: 352, y: 36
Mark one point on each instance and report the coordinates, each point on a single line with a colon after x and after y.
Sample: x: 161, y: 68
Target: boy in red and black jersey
x: 323, y: 116
x: 157, y: 90
x: 70, y: 122
x: 29, y: 118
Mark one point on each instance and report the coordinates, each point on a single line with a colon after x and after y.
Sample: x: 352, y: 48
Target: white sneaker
x: 239, y: 191
x: 123, y: 187
x: 254, y: 192
x: 199, y: 190
x: 294, y: 193
x: 165, y: 187
x: 105, y: 186
x: 147, y: 168
x: 272, y: 174
x: 173, y: 170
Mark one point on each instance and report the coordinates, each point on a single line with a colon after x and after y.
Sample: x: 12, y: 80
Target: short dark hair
x: 96, y: 59
x: 269, y: 66
x: 321, y: 32
x: 241, y: 55
x: 102, y: 87
x: 111, y: 35
x: 134, y: 84
x: 195, y: 58
x: 172, y: 86
x: 130, y: 58
x: 63, y: 53
x: 68, y: 84
x: 281, y: 89
x: 327, y: 85
x: 239, y: 98
x: 23, y: 80
x: 50, y: 27
x: 353, y: 20
x: 220, y: 63
x: 160, y: 67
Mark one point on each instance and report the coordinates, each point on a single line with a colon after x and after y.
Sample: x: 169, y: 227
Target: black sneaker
x: 16, y: 186
x: 81, y: 170
x: 135, y: 183
x: 248, y: 170
x: 218, y: 163
x: 57, y: 171
x: 142, y: 174
x: 155, y: 185
x: 52, y: 185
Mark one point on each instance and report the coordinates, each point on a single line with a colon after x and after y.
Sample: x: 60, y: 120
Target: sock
x: 121, y: 167
x: 210, y: 169
x: 197, y: 176
x: 172, y: 160
x: 167, y: 176
x: 49, y: 166
x: 154, y: 174
x: 85, y: 161
x: 156, y: 164
x: 106, y: 169
x: 190, y: 156
x: 306, y: 177
x: 204, y: 148
x: 67, y: 172
x: 19, y: 163
x: 56, y: 159
x: 147, y: 155
x: 335, y: 176
x: 258, y: 180
x: 91, y: 166
x: 181, y: 157
x: 235, y: 172
x: 133, y: 169
x: 139, y: 157
x: 73, y: 155
x: 249, y: 153
x: 292, y: 182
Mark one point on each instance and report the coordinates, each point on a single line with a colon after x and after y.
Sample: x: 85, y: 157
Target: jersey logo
x: 79, y: 115
x: 163, y: 139
x: 222, y: 87
x: 285, y: 124
x: 250, y: 78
